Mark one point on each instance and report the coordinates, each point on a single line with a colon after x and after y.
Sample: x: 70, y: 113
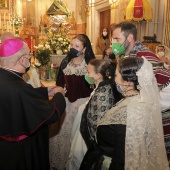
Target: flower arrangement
x: 59, y: 42
x: 17, y: 21
x: 42, y: 55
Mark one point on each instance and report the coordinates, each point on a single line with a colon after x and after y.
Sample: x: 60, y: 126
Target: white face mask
x: 104, y: 33
x: 161, y: 53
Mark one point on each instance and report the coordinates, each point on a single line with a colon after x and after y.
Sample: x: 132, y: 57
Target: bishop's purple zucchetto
x: 10, y: 47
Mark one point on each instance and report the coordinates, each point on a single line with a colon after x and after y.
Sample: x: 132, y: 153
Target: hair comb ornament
x: 108, y: 75
x: 139, y: 87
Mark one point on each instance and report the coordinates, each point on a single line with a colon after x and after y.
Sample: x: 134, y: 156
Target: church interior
x: 36, y: 18
x: 48, y: 27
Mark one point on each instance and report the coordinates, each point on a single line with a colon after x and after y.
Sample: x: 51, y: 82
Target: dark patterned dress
x: 100, y: 101
x: 103, y: 99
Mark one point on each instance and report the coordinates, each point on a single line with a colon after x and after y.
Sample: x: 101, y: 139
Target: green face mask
x: 118, y: 49
x: 88, y: 79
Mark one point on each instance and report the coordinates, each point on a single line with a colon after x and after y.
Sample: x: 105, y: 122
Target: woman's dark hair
x: 81, y: 38
x: 87, y: 56
x: 88, y: 52
x: 161, y: 46
x: 104, y: 67
x: 107, y: 69
x: 128, y: 68
x: 86, y: 43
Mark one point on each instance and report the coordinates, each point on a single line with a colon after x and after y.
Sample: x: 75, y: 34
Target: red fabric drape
x: 138, y: 9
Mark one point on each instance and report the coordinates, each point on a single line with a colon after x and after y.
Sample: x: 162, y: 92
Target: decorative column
x: 114, y: 11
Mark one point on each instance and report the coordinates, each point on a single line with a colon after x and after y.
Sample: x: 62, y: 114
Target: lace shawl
x: 144, y: 145
x: 101, y: 101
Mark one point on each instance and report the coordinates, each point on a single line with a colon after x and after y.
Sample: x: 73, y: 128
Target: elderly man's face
x: 25, y: 57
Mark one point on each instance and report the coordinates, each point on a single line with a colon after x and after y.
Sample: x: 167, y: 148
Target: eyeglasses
x: 24, y: 55
x: 27, y: 58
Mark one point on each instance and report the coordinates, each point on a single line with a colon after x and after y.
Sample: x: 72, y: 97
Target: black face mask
x: 112, y: 56
x: 27, y: 69
x: 75, y: 53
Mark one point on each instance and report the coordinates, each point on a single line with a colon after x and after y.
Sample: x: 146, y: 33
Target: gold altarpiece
x: 57, y: 19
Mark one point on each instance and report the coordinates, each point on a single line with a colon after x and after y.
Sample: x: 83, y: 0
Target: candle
x: 13, y: 27
x: 0, y: 22
x: 9, y: 22
x: 4, y: 17
x: 9, y: 18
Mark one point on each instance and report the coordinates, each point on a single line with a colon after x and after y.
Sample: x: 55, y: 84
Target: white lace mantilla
x: 117, y: 114
x: 78, y: 70
x: 144, y: 143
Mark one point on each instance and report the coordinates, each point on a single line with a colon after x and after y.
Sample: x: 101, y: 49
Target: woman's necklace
x: 76, y: 64
x: 13, y: 72
x: 131, y: 91
x: 131, y: 95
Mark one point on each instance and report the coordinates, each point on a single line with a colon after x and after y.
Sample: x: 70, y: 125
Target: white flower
x: 59, y: 52
x: 53, y: 42
x: 47, y: 46
x: 17, y: 20
x: 60, y: 39
x: 40, y: 46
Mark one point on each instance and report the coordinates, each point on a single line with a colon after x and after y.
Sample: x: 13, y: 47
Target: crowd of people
x: 108, y: 111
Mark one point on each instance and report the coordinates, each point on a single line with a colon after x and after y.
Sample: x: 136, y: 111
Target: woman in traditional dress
x: 104, y: 96
x: 71, y: 77
x: 130, y: 135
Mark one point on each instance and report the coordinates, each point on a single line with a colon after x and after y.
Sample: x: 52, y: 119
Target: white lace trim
x: 144, y: 145
x: 117, y: 114
x: 78, y: 70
